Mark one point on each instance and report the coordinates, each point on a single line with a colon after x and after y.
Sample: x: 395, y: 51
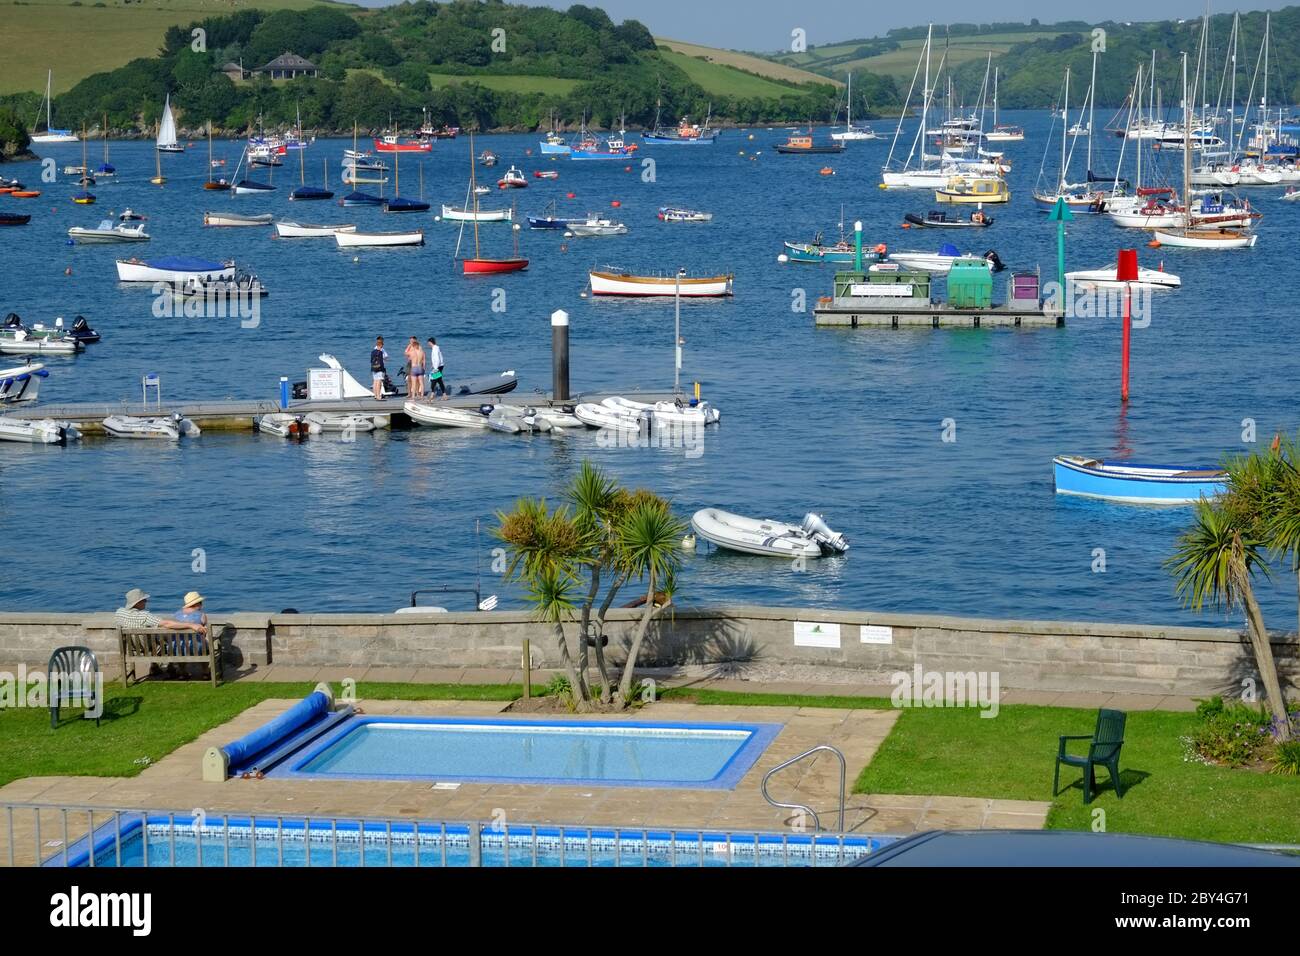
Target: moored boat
x: 681, y: 214
x: 237, y: 219
x: 796, y: 144
x: 21, y: 383
x: 352, y: 240
x: 594, y: 226
x: 43, y: 431
x: 475, y: 214
x: 173, y: 269
x: 301, y: 230
x: 164, y: 428
x: 938, y: 219
x: 513, y: 179
x: 107, y: 232
x: 285, y: 425
x: 1135, y: 483
x: 767, y: 538
x: 626, y: 284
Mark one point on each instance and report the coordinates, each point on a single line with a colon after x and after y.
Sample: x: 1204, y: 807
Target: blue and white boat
x: 361, y: 199
x: 552, y: 221
x: 1135, y: 483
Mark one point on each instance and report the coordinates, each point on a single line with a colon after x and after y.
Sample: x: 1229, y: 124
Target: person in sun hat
x: 192, y: 614
x: 135, y: 616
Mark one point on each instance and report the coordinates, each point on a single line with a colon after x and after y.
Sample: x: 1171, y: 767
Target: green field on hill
x: 509, y: 83
x: 901, y: 63
x: 718, y: 80
x: 81, y: 37
x: 747, y: 62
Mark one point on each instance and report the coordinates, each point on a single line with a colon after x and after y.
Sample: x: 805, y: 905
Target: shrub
x: 1233, y: 735
x: 1286, y: 758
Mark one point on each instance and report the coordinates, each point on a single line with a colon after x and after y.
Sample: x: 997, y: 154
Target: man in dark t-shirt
x: 378, y: 372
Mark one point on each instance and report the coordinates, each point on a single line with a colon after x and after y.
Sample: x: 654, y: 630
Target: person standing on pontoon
x: 437, y: 384
x: 378, y: 371
x: 415, y: 368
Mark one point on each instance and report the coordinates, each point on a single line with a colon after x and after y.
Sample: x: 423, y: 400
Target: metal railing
x: 57, y: 835
x: 817, y: 823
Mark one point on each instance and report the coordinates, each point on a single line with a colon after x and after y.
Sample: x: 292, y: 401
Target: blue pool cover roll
x: 244, y: 751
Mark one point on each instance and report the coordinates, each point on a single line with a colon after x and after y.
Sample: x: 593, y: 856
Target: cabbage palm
x: 1284, y: 517
x: 1218, y: 557
x: 648, y: 536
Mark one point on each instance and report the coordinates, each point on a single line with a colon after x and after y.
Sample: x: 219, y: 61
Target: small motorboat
x: 86, y: 199
x: 514, y: 178
x: 302, y: 230
x: 546, y: 174
x: 129, y: 215
x: 354, y: 240
x: 284, y: 425
x: 1134, y: 483
x: 42, y: 431
x: 680, y: 214
x: 107, y: 232
x: 773, y: 539
x: 164, y: 428
x: 937, y: 219
x: 37, y: 341
x: 80, y: 331
x: 14, y: 219
x: 551, y: 221
x: 487, y: 158
x: 482, y: 190
x: 176, y: 269
x: 242, y: 285
x: 81, y: 198
x: 941, y: 262
x: 597, y: 415
x: 597, y: 227
x: 680, y: 412
x: 1106, y: 278
x: 237, y: 219
x: 1291, y: 195
x: 345, y: 423
x: 429, y: 413
x: 21, y: 383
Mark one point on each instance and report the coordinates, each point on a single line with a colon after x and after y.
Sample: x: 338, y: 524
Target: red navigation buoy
x: 627, y: 169
x: 568, y: 195
x: 615, y: 203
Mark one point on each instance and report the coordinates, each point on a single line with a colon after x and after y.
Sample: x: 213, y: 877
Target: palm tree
x: 1284, y: 519
x: 1218, y: 556
x: 609, y: 536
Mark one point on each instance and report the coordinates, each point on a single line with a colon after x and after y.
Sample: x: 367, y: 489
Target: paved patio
x: 175, y: 783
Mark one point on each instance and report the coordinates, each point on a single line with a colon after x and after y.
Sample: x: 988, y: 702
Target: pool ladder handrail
x: 817, y: 824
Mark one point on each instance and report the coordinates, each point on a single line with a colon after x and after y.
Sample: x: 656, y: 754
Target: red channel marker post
x: 1126, y: 272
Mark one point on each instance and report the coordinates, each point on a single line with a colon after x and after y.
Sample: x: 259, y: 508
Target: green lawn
x: 76, y: 41
x: 509, y: 83
x: 721, y: 80
x: 150, y: 720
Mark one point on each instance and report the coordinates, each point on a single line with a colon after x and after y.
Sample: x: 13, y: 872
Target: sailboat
x: 1078, y: 198
x: 167, y: 130
x: 304, y: 191
x: 84, y: 198
x: 246, y: 186
x: 354, y: 161
x: 396, y: 203
x: 1202, y: 235
x: 105, y: 169
x: 923, y: 175
x: 851, y: 132
x: 1002, y: 133
x: 52, y: 135
x: 479, y: 265
x: 215, y: 185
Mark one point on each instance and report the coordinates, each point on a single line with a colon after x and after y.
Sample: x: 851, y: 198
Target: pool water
x: 603, y: 754
x: 163, y: 842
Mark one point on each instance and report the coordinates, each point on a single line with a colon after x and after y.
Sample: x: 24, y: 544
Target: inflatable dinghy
x: 811, y: 539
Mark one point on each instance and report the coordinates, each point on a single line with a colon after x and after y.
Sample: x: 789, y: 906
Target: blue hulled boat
x: 1137, y: 483
x: 361, y: 199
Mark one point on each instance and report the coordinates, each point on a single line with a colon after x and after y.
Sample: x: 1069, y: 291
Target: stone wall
x: 1029, y: 655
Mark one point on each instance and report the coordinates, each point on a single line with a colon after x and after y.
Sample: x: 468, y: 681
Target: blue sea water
x: 848, y: 423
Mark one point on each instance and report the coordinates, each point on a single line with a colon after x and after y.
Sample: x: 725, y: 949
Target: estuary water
x: 848, y: 423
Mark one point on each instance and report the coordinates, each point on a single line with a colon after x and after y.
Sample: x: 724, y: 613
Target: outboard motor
x: 81, y: 330
x: 994, y: 258
x: 12, y: 321
x: 830, y: 541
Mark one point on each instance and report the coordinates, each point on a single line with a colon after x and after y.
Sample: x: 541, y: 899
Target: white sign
x: 812, y: 634
x: 870, y: 290
x: 877, y: 634
x: 324, y: 384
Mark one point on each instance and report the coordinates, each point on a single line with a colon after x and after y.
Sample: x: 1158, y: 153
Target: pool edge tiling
x: 759, y: 737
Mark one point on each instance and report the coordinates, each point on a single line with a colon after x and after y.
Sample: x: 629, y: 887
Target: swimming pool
x: 164, y: 840
x: 577, y: 753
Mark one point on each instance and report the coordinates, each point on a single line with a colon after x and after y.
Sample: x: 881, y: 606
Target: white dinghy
x: 482, y: 417
x: 284, y: 425
x: 776, y: 539
x: 166, y: 428
x: 43, y: 431
x: 676, y: 413
x: 21, y: 383
x: 346, y: 422
x: 1106, y: 278
x: 237, y: 219
x: 302, y: 230
x: 595, y: 415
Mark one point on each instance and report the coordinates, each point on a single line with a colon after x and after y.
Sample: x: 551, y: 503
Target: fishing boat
x: 852, y: 133
x: 1107, y: 277
x: 615, y: 283
x: 686, y: 133
x: 1135, y: 483
x: 478, y: 264
x: 214, y: 185
x: 594, y: 227
x: 166, y: 142
x: 108, y: 232
x: 939, y: 219
x: 553, y: 144
x: 286, y: 425
x: 513, y: 179
x: 766, y: 538
x: 796, y: 143
x: 44, y: 431
x: 267, y: 155
x: 550, y: 220
x: 156, y: 428
x: 681, y: 214
x: 590, y: 147
x: 392, y: 143
x: 175, y: 269
x: 487, y: 158
x: 545, y: 174
x: 842, y: 251
x: 14, y: 219
x: 237, y: 219
x: 51, y: 135
x: 963, y: 191
x: 21, y: 383
x: 300, y: 230
x: 356, y: 240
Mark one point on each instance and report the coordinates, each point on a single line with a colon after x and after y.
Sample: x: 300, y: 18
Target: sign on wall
x: 815, y: 634
x: 877, y: 634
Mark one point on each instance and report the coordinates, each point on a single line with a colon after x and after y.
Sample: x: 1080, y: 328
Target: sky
x: 766, y: 25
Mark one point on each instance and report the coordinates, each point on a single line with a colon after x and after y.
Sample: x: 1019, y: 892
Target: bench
x: 163, y: 646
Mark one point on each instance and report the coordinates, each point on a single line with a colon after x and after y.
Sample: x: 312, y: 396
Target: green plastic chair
x: 77, y: 664
x: 1104, y: 745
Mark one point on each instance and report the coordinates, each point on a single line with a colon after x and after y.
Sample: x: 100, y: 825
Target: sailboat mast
x: 849, y: 100
x: 995, y: 96
x: 474, y: 191
x: 1065, y: 129
x: 925, y: 94
x: 1092, y: 107
x: 1187, y: 150
x: 49, y: 89
x: 1232, y: 98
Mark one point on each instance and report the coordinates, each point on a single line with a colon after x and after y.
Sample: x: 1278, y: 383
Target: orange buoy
x: 568, y: 195
x: 615, y: 203
x: 907, y: 225
x: 627, y: 169
x: 1153, y: 244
